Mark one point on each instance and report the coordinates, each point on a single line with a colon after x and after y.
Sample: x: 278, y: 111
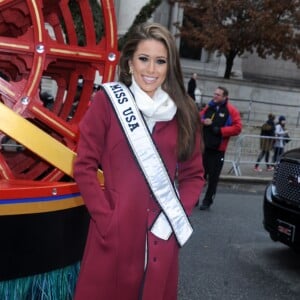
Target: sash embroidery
x: 173, y: 217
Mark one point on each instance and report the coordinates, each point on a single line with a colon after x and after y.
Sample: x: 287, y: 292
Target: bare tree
x: 233, y: 27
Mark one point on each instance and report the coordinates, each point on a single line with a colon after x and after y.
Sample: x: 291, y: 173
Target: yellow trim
x: 11, y: 45
x: 110, y: 72
x: 39, y: 207
x: 111, y: 30
x: 38, y: 141
x: 3, y: 173
x: 54, y: 177
x: 36, y: 75
x: 76, y: 53
x: 38, y: 19
x: 6, y: 90
x: 37, y: 110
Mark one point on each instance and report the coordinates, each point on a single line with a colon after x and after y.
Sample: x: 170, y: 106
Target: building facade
x: 249, y: 67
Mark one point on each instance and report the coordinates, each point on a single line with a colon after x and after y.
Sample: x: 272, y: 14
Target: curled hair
x: 187, y: 114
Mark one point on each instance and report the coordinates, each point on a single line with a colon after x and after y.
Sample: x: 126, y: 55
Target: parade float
x: 53, y: 54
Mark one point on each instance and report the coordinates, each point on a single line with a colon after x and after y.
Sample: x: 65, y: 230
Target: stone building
x: 249, y: 67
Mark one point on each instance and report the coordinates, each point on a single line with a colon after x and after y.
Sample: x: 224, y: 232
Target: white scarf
x: 158, y: 108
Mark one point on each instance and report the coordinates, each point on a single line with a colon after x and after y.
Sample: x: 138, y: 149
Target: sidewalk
x: 248, y: 175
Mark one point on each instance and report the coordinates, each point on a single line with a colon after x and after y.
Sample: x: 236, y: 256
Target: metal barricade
x: 243, y: 151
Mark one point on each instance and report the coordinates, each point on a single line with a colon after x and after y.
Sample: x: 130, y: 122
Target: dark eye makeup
x: 159, y: 61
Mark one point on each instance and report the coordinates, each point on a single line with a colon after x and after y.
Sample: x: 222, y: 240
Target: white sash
x: 173, y: 217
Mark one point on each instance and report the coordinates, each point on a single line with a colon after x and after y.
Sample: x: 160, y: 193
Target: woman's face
x: 149, y: 65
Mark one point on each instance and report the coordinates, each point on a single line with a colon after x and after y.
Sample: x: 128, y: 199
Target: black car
x: 281, y: 209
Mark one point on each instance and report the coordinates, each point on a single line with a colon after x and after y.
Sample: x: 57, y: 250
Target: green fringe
x: 55, y: 285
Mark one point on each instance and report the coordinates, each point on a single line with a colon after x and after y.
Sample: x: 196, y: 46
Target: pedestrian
x: 282, y: 137
x: 266, y: 143
x: 220, y: 120
x: 145, y: 133
x: 192, y: 85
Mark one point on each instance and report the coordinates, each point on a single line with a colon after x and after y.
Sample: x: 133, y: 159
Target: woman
x: 282, y: 138
x: 123, y: 258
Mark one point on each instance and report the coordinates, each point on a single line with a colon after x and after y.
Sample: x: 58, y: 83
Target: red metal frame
x: 40, y: 203
x: 28, y: 53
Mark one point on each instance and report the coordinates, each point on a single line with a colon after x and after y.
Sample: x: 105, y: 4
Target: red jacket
x: 224, y: 116
x: 121, y: 215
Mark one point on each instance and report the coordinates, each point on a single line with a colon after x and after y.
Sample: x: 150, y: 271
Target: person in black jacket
x: 192, y: 84
x: 266, y: 143
x: 221, y: 120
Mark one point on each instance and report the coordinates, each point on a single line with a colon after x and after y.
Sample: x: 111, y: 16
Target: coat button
x: 154, y: 259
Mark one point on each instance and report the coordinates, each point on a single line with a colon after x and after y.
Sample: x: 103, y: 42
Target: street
x: 231, y: 257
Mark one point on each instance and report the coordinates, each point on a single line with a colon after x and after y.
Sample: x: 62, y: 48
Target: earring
x: 130, y: 71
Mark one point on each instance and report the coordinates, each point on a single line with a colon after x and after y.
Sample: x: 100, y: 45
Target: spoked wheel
x: 51, y: 54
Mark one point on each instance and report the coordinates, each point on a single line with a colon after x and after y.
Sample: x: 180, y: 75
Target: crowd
x: 274, y: 136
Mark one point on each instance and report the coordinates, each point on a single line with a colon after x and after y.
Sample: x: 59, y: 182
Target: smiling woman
x: 144, y: 131
x: 149, y: 65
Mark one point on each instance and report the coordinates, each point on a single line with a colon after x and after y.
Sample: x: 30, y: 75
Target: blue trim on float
x: 39, y: 199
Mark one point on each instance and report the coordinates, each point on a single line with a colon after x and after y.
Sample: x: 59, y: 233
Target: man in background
x: 266, y: 143
x: 192, y: 84
x: 220, y: 120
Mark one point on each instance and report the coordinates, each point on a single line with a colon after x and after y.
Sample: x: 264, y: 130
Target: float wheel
x: 46, y: 46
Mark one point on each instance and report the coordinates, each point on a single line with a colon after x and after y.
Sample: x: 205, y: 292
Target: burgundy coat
x: 122, y: 213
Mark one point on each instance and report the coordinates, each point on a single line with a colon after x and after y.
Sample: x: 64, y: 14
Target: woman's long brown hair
x: 187, y: 113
